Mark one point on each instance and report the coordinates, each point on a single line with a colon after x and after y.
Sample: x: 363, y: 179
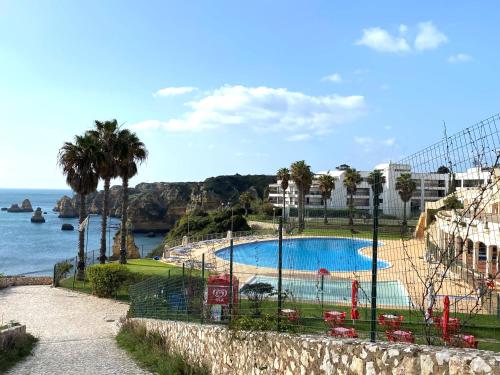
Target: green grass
x: 151, y: 351
x: 141, y: 268
x: 19, y: 350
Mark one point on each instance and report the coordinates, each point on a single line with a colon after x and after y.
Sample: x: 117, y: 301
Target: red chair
x: 463, y: 341
x: 334, y: 318
x: 342, y: 332
x: 400, y: 336
x: 391, y: 321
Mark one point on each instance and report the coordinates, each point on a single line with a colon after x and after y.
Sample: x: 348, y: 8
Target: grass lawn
x: 360, y: 233
x: 150, y: 351
x: 20, y: 350
x: 142, y: 268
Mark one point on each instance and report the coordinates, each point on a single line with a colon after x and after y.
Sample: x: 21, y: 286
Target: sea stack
x: 14, y: 208
x: 132, y: 249
x: 37, y: 216
x: 67, y: 226
x: 66, y: 208
x: 26, y: 206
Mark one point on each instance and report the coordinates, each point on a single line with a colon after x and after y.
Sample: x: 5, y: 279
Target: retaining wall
x: 241, y: 353
x: 7, y: 281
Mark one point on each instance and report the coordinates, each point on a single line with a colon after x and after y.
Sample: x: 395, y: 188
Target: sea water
x: 29, y: 248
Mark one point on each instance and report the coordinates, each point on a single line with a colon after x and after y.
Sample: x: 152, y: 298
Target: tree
x: 256, y: 293
x: 405, y: 187
x: 443, y: 170
x: 373, y: 177
x: 451, y: 202
x: 246, y: 200
x: 343, y: 167
x: 302, y: 176
x: 130, y: 152
x: 105, y: 135
x: 352, y: 179
x: 326, y: 186
x: 79, y: 164
x: 283, y: 176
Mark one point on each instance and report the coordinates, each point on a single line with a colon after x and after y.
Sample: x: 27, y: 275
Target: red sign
x: 218, y: 295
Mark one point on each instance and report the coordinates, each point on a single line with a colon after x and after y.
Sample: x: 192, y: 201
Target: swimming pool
x: 389, y: 293
x: 305, y: 254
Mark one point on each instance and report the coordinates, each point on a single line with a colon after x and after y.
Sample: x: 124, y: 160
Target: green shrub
x: 106, y: 279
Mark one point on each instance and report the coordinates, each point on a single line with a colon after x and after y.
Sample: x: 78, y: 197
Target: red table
x: 453, y: 324
x: 343, y: 332
x: 400, y: 336
x: 291, y: 314
x: 389, y: 320
x: 334, y: 318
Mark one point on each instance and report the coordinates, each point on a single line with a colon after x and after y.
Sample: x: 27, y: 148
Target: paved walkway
x: 76, y: 331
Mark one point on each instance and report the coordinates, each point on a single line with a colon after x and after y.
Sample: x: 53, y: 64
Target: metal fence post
x: 230, y: 278
x: 373, y: 322
x: 280, y: 269
x: 202, y: 286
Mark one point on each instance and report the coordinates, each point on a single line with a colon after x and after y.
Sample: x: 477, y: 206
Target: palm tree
x: 245, y: 200
x: 283, y: 175
x: 302, y: 176
x: 130, y: 152
x: 105, y: 135
x: 376, y: 180
x: 405, y: 187
x: 79, y: 164
x: 351, y: 180
x: 326, y: 186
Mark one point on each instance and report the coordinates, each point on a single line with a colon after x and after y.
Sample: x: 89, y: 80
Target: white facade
x: 430, y: 187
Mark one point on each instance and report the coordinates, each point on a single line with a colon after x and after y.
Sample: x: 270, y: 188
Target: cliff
x: 155, y: 207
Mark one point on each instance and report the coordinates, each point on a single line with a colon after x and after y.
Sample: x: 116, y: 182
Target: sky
x: 224, y: 87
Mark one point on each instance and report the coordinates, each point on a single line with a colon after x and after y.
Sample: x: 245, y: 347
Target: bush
x: 16, y: 350
x: 106, y: 279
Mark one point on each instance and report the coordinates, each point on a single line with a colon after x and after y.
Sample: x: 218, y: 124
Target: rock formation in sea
x: 66, y: 208
x: 5, y: 208
x: 132, y: 249
x: 25, y: 207
x: 155, y: 207
x: 67, y: 226
x: 37, y: 216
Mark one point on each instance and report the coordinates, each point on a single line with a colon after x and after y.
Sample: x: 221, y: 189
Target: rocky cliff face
x: 155, y: 207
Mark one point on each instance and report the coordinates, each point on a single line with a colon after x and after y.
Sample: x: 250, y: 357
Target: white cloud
x: 382, y: 41
x: 389, y: 141
x: 459, y: 57
x: 363, y: 140
x: 264, y: 109
x: 367, y: 141
x: 428, y: 37
x: 299, y: 137
x: 336, y: 78
x: 173, y: 91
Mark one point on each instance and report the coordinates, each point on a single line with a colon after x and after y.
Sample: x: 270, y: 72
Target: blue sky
x: 222, y: 87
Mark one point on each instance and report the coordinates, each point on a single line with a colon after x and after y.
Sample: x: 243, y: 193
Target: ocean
x: 33, y: 249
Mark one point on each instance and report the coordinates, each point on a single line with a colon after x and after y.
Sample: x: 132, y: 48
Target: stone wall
x: 7, y: 281
x: 241, y: 353
x: 10, y: 334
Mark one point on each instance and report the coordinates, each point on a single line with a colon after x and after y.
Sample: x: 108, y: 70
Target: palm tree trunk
x: 283, y: 214
x: 301, y: 210
x: 404, y: 216
x: 104, y: 221
x: 325, y: 218
x: 123, y: 229
x: 351, y: 210
x: 80, y: 274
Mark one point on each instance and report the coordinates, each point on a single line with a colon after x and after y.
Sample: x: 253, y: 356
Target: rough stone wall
x: 8, y: 335
x: 7, y: 281
x: 241, y: 353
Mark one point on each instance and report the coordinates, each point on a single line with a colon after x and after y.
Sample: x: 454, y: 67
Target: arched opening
x: 482, y: 251
x: 469, y: 246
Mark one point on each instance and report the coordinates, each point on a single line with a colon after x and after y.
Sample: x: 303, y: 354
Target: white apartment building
x: 430, y: 187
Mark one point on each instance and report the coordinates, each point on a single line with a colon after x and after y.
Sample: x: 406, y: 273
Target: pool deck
x: 406, y: 258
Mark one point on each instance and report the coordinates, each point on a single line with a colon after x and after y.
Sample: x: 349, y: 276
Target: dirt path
x: 76, y: 331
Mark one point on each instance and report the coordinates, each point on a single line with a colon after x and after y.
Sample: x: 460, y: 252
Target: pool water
x: 389, y: 293
x: 305, y: 254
